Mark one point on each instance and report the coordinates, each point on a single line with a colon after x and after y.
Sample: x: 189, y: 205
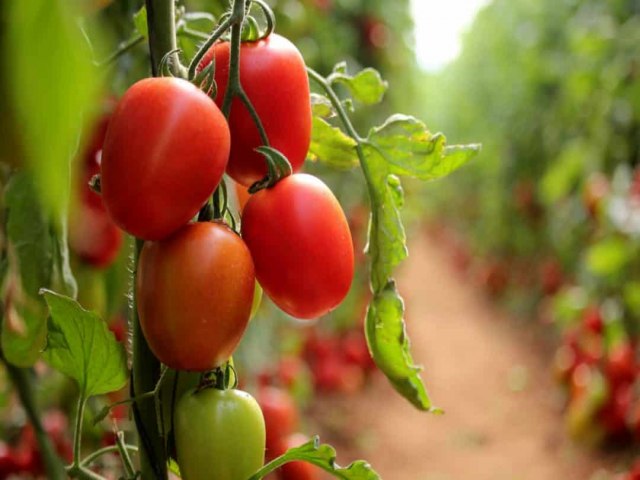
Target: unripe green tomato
x: 257, y: 300
x: 219, y: 434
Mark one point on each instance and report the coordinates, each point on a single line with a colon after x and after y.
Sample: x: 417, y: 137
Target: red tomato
x: 194, y: 292
x: 92, y: 234
x: 166, y: 149
x: 301, y: 245
x: 621, y: 364
x: 274, y: 77
x: 280, y: 415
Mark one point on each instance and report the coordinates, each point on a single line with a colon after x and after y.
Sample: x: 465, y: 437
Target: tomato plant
x: 195, y: 291
x: 157, y: 122
x: 219, y: 432
x: 274, y: 78
x: 242, y: 105
x: 303, y: 255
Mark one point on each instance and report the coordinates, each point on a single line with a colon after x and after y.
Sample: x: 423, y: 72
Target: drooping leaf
x: 402, y: 146
x: 331, y: 146
x: 409, y: 149
x: 323, y: 456
x: 80, y: 345
x: 43, y: 40
x: 367, y: 86
x: 30, y: 257
x: 390, y: 346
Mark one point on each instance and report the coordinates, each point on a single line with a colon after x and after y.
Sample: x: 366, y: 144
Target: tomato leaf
x: 402, y: 146
x: 407, y: 148
x: 367, y: 86
x: 385, y: 330
x: 321, y: 106
x: 80, y: 345
x: 140, y: 22
x: 608, y: 257
x: 323, y: 456
x: 50, y: 112
x: 29, y: 267
x: 28, y: 233
x: 331, y: 146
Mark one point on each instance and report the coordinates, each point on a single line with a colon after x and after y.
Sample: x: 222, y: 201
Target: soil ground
x: 490, y: 375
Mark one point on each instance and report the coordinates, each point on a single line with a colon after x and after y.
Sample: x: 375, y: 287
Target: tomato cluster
x: 166, y: 148
x: 601, y: 379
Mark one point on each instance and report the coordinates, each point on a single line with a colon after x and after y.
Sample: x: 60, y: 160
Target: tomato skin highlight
x: 194, y: 292
x: 165, y: 151
x: 219, y: 435
x: 301, y: 245
x: 274, y: 77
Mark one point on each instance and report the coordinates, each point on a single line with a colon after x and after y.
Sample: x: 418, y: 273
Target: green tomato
x: 257, y: 300
x: 219, y: 435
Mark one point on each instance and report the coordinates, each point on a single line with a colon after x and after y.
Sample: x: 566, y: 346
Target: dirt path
x: 502, y: 420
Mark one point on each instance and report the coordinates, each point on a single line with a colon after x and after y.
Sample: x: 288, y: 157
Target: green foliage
x: 52, y: 85
x: 80, y: 345
x: 30, y: 267
x: 366, y: 86
x: 323, y: 456
x: 402, y: 146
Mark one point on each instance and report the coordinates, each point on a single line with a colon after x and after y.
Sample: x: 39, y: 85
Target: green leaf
x: 608, y: 257
x: 43, y: 40
x: 366, y: 86
x: 29, y: 267
x: 140, y: 22
x: 80, y: 345
x: 321, y: 106
x: 409, y: 149
x: 323, y: 456
x: 29, y: 234
x: 330, y: 145
x: 390, y: 346
x: 401, y: 147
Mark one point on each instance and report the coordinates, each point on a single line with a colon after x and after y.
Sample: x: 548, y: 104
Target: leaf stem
x: 93, y: 456
x: 123, y: 48
x: 351, y: 131
x: 124, y: 455
x: 77, y: 432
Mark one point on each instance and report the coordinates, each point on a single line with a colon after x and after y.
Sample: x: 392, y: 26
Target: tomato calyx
x: 278, y: 167
x: 222, y: 378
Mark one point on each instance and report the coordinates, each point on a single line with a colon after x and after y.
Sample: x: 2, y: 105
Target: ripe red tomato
x: 280, y: 416
x: 93, y: 236
x: 301, y: 245
x: 194, y: 292
x: 166, y: 149
x: 274, y: 77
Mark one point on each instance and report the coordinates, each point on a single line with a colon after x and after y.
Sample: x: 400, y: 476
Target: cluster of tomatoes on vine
x: 601, y: 379
x: 165, y: 148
